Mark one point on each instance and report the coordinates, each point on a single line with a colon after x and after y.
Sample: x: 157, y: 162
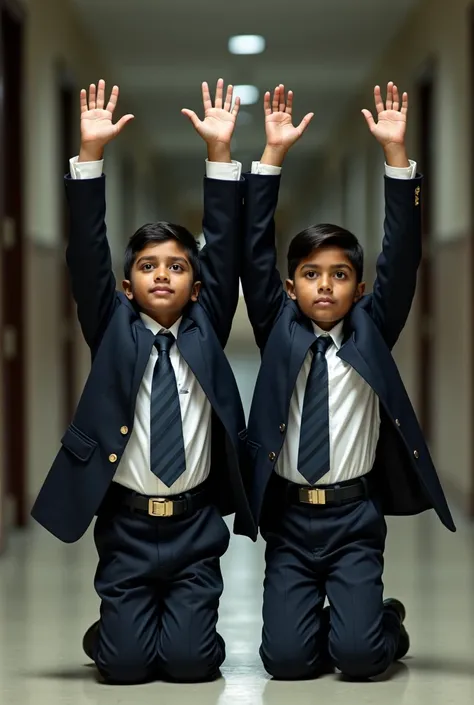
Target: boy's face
x: 325, y: 286
x: 162, y: 282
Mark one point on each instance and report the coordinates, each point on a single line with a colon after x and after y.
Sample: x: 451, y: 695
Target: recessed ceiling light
x: 247, y: 44
x: 248, y: 94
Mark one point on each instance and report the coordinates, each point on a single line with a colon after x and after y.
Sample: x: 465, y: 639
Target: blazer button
x: 124, y: 430
x: 112, y: 458
x: 397, y: 423
x: 272, y: 456
x: 282, y: 428
x: 416, y: 454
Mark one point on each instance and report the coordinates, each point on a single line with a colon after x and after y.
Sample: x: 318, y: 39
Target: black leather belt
x: 172, y: 506
x: 327, y: 495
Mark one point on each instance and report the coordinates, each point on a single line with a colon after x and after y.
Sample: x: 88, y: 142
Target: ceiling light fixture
x: 248, y: 94
x: 247, y: 44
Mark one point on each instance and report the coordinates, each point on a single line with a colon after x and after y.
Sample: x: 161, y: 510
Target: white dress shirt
x: 134, y: 467
x: 354, y: 419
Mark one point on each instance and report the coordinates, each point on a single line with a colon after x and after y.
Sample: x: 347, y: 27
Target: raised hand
x: 97, y: 128
x: 391, y: 125
x: 279, y: 126
x: 218, y: 125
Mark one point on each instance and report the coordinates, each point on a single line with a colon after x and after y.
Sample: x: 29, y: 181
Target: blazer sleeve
x: 261, y: 282
x: 221, y: 255
x: 88, y: 257
x: 398, y: 263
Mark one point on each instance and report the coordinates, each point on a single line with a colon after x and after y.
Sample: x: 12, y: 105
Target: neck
x: 324, y: 325
x: 165, y: 320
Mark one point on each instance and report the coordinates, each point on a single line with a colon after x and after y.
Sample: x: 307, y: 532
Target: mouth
x: 324, y: 301
x: 161, y: 291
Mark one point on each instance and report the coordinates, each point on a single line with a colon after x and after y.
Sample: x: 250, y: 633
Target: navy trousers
x: 318, y: 551
x: 159, y: 581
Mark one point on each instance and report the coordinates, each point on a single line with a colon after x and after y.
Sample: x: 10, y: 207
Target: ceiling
x: 161, y: 52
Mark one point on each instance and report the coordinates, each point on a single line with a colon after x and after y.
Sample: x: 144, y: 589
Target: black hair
x: 162, y: 232
x: 325, y: 235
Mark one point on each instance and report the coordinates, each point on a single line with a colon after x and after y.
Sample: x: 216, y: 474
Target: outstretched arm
x: 261, y: 283
x: 88, y: 253
x: 398, y: 263
x: 221, y: 255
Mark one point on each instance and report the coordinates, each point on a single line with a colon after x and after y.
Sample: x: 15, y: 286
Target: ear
x: 290, y: 288
x: 195, y: 291
x: 359, y: 292
x: 127, y: 287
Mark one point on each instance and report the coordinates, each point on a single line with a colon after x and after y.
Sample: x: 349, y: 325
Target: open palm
x: 279, y: 128
x: 219, y: 120
x: 97, y: 127
x: 391, y: 124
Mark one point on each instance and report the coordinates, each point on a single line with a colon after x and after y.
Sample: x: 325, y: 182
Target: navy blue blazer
x: 403, y: 472
x: 120, y: 346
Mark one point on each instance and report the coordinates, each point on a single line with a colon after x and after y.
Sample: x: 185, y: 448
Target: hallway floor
x: 47, y: 601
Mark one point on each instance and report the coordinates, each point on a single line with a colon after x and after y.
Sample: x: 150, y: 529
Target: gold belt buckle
x: 315, y: 495
x: 160, y: 507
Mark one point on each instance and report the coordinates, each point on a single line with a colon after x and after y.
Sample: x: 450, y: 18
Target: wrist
x: 396, y: 156
x: 274, y: 156
x: 218, y: 152
x: 91, y: 153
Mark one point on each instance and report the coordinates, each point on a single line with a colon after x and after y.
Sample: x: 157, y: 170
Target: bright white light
x: 248, y: 94
x: 247, y: 44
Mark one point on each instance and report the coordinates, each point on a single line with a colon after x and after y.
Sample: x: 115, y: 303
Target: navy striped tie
x: 313, y: 455
x: 167, y: 456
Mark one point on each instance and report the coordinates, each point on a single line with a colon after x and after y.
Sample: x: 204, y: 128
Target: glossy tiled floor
x: 47, y: 600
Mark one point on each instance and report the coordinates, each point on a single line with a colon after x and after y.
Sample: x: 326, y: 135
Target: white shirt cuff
x: 395, y: 172
x: 225, y: 171
x: 265, y: 169
x: 85, y: 170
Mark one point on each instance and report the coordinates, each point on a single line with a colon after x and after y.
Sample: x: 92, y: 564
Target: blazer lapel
x: 303, y: 338
x: 144, y: 343
x: 351, y: 354
x: 190, y: 347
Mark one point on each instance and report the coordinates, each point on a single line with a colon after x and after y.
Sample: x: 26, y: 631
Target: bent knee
x: 126, y: 665
x: 189, y: 665
x: 287, y: 664
x: 358, y: 660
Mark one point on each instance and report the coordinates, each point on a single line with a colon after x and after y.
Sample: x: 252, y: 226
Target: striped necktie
x: 313, y: 455
x: 167, y: 456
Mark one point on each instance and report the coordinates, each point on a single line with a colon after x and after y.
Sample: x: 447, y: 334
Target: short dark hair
x: 162, y: 232
x: 325, y: 235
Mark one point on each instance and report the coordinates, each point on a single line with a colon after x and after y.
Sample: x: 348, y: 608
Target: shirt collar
x: 157, y: 328
x: 336, y: 333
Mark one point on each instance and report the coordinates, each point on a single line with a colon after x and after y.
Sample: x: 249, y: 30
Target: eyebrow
x: 153, y: 258
x: 342, y: 265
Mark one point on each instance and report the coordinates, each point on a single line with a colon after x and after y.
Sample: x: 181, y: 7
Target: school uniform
x: 159, y: 464
x: 322, y: 485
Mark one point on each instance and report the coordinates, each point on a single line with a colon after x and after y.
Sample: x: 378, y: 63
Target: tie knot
x: 163, y: 342
x: 323, y: 342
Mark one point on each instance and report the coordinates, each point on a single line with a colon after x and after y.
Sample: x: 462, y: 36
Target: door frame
x: 426, y: 90
x: 12, y: 320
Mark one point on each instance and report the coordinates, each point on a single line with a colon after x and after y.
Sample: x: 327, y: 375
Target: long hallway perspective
x: 47, y: 601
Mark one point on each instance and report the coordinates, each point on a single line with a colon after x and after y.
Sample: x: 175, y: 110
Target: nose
x: 162, y: 273
x: 325, y: 283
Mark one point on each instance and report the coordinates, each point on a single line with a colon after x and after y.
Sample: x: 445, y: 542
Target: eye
x: 340, y: 275
x: 310, y: 275
x: 176, y: 267
x: 147, y: 267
